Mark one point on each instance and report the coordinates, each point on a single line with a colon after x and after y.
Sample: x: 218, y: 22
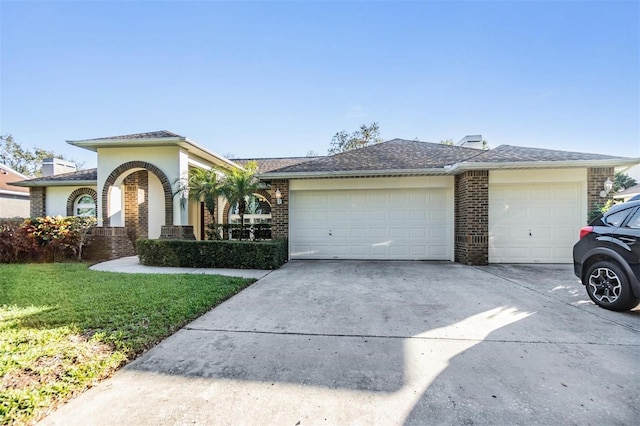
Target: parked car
x: 607, y: 257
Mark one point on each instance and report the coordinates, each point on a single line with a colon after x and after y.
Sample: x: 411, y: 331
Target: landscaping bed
x: 63, y: 327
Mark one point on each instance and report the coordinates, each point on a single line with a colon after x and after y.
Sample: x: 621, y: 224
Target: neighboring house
x: 627, y: 194
x: 14, y: 201
x: 400, y: 199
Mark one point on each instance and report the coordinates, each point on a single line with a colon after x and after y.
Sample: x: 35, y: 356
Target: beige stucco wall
x: 57, y: 196
x: 171, y: 160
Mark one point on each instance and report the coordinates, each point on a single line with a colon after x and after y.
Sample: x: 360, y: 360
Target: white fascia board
x: 93, y: 144
x: 352, y: 173
x: 182, y: 142
x: 21, y: 194
x: 612, y: 162
x: 55, y: 183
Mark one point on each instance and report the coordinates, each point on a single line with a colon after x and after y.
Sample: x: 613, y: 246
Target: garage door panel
x: 531, y: 223
x: 373, y: 224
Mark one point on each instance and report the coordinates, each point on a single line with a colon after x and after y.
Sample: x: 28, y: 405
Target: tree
x: 447, y: 142
x: 364, y: 136
x: 238, y: 186
x: 23, y: 160
x: 622, y: 181
x: 202, y: 186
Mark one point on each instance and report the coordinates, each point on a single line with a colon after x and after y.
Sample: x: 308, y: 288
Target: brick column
x: 472, y: 217
x: 596, y: 177
x: 38, y: 201
x: 136, y: 203
x: 279, y: 212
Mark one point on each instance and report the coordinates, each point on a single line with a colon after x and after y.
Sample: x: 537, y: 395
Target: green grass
x: 64, y: 327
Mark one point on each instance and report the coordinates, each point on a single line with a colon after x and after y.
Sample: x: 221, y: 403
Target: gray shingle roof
x: 396, y: 154
x: 89, y: 175
x: 158, y: 134
x: 268, y: 164
x: 510, y: 153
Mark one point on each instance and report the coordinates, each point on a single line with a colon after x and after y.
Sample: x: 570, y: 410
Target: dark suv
x: 607, y: 257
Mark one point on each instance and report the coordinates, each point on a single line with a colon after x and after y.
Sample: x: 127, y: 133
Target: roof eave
x: 16, y: 193
x: 610, y: 162
x: 31, y: 184
x: 351, y: 173
x: 94, y: 144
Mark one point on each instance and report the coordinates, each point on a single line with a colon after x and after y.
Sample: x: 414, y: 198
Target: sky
x: 278, y: 79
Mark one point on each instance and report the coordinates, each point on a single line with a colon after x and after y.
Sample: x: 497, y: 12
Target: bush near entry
x: 213, y: 254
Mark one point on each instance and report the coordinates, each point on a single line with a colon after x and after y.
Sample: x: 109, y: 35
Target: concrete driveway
x: 345, y: 342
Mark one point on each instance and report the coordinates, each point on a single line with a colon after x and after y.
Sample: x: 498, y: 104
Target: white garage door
x: 534, y: 223
x: 407, y: 224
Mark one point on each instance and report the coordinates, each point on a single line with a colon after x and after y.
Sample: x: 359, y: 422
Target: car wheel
x: 608, y: 286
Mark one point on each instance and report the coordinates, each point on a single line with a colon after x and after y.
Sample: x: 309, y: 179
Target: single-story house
x: 14, y: 200
x: 398, y: 199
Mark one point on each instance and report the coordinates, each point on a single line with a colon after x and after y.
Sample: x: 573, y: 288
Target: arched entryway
x: 137, y: 195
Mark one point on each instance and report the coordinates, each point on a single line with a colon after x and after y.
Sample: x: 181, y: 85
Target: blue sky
x: 268, y: 78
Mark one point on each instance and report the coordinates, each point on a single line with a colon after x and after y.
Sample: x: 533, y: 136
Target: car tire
x: 608, y: 286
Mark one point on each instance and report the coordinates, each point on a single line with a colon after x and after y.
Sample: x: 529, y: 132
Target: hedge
x: 213, y: 254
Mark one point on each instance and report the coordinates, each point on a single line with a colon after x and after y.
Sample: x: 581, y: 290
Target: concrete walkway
x: 131, y: 265
x: 385, y: 343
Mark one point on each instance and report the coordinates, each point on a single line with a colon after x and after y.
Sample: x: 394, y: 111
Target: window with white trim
x: 84, y: 206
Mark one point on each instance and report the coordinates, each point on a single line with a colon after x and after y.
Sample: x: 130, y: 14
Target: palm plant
x: 238, y: 186
x: 203, y: 186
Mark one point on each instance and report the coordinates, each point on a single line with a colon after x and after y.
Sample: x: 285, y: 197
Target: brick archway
x: 77, y: 193
x: 118, y: 171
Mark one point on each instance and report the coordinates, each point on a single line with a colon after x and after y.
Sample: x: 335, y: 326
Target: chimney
x: 56, y: 166
x: 471, y: 141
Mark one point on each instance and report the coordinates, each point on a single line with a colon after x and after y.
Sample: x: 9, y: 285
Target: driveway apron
x: 349, y: 342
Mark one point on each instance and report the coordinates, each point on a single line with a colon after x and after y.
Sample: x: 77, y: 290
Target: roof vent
x: 56, y: 166
x: 471, y: 141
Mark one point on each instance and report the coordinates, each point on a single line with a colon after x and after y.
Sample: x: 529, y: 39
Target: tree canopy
x: 364, y: 136
x: 25, y: 161
x: 622, y: 181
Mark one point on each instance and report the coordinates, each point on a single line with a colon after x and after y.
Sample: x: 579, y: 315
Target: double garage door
x: 534, y: 217
x: 398, y: 224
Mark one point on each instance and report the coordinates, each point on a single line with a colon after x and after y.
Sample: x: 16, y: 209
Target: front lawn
x: 64, y: 327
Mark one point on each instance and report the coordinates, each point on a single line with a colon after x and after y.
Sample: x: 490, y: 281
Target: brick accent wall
x: 596, y: 176
x: 279, y: 212
x: 108, y: 243
x: 472, y: 217
x: 177, y: 232
x: 38, y: 201
x: 136, y: 203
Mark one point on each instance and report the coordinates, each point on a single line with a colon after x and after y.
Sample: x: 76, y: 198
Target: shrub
x: 213, y: 254
x: 15, y: 243
x: 46, y: 239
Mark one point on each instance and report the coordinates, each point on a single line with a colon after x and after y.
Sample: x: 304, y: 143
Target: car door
x: 627, y: 237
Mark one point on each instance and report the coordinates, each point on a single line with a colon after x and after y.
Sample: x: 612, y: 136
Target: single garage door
x: 399, y: 224
x: 534, y: 223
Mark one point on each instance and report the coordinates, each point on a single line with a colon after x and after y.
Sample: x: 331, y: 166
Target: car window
x: 616, y: 219
x: 634, y: 222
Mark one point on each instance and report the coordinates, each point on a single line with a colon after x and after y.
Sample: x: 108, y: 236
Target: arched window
x: 84, y: 206
x: 258, y: 211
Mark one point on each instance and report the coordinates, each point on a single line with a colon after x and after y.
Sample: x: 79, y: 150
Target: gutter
x: 54, y: 183
x: 21, y: 194
x: 611, y: 162
x: 352, y: 173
